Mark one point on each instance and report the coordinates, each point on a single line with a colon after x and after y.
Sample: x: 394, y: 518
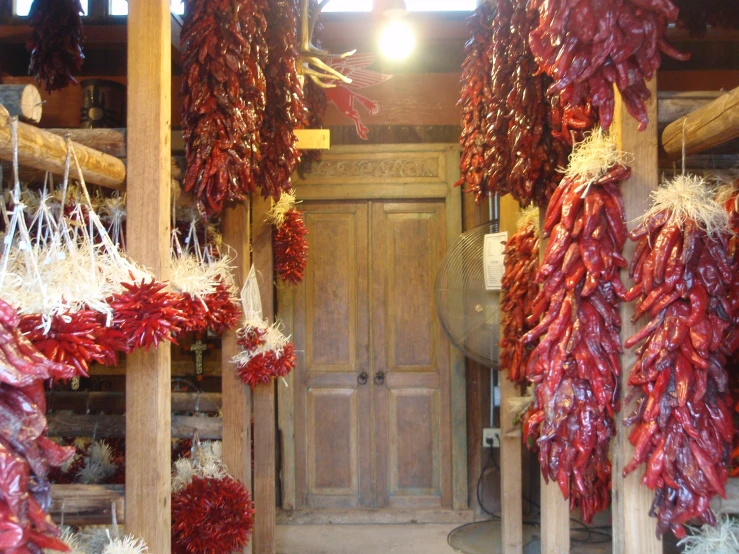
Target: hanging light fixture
x: 397, y: 38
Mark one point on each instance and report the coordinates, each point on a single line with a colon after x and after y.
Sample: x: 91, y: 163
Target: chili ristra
x: 682, y: 418
x: 26, y: 454
x: 519, y: 291
x: 588, y: 46
x: 576, y: 362
x: 224, y: 97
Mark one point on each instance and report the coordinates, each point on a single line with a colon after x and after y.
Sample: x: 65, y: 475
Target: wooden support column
x: 511, y: 483
x: 236, y: 395
x: 633, y: 529
x: 263, y: 397
x: 555, y: 510
x: 148, y: 386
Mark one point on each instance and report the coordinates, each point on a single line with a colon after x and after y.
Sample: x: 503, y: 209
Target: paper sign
x: 492, y: 259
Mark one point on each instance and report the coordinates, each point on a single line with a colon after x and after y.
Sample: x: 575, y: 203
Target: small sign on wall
x: 492, y: 259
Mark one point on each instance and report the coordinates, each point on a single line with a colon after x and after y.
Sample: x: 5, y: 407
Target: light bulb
x: 397, y: 39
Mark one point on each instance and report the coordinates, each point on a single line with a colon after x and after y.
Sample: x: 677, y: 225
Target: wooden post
x: 510, y: 433
x: 633, y: 529
x: 148, y: 386
x: 23, y: 101
x: 555, y: 510
x: 263, y: 397
x: 236, y: 395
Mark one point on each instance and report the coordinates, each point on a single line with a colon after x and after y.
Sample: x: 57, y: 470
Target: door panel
x: 412, y: 418
x: 331, y: 317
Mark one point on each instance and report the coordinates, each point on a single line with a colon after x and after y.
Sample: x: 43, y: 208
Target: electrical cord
x: 592, y: 534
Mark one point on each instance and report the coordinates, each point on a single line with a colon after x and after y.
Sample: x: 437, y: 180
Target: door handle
x: 362, y: 378
x: 379, y: 378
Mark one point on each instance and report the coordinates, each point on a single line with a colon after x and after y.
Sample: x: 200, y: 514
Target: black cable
x: 491, y: 458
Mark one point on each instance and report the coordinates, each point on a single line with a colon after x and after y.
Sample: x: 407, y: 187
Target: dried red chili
x: 505, y: 138
x: 587, y: 47
x: 290, y: 248
x: 224, y: 90
x: 146, y: 314
x: 26, y: 454
x: 576, y: 363
x: 285, y: 109
x: 76, y: 338
x: 519, y: 291
x: 682, y: 419
x: 55, y: 42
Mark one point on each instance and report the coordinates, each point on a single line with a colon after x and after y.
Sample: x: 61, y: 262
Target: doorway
x: 367, y: 419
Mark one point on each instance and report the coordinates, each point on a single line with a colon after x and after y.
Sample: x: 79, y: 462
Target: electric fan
x: 469, y: 313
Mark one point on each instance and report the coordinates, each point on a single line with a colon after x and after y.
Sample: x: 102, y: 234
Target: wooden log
x: 672, y: 105
x: 46, y: 151
x: 23, y: 101
x: 709, y: 126
x: 633, y: 529
x: 86, y: 504
x: 237, y: 397
x: 148, y: 383
x: 114, y: 426
x: 108, y: 141
x: 263, y: 397
x: 115, y: 402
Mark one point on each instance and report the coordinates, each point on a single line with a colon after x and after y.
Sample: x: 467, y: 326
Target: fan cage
x: 468, y: 312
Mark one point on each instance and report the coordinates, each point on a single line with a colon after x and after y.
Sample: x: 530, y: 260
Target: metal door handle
x: 362, y: 378
x: 379, y: 378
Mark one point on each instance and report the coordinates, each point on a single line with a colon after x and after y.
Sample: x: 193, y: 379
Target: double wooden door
x: 372, y: 386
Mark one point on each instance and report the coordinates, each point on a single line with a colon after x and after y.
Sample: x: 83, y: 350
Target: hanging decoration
x: 225, y: 93
x: 587, y: 47
x: 683, y: 428
x: 289, y: 245
x: 203, y: 280
x: 266, y: 353
x: 285, y: 110
x: 519, y: 291
x: 56, y: 42
x: 577, y: 362
x: 506, y: 144
x: 26, y: 454
x: 344, y: 96
x: 202, y: 491
x: 723, y: 538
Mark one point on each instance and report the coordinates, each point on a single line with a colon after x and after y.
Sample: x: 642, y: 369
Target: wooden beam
x: 86, y: 504
x: 237, y: 398
x: 729, y: 505
x: 555, y: 510
x: 46, y: 151
x: 115, y: 402
x: 114, y: 426
x: 263, y: 397
x: 709, y: 126
x: 148, y: 386
x: 633, y: 529
x: 23, y: 101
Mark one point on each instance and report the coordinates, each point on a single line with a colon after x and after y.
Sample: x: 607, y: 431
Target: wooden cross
x: 199, y: 347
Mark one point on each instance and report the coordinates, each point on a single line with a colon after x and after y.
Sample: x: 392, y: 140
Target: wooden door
x: 410, y: 355
x: 382, y: 440
x: 331, y: 333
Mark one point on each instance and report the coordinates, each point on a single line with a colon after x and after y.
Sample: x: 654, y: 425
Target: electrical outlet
x: 490, y: 438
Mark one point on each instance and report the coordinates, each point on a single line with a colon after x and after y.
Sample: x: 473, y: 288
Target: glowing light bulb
x: 397, y: 39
